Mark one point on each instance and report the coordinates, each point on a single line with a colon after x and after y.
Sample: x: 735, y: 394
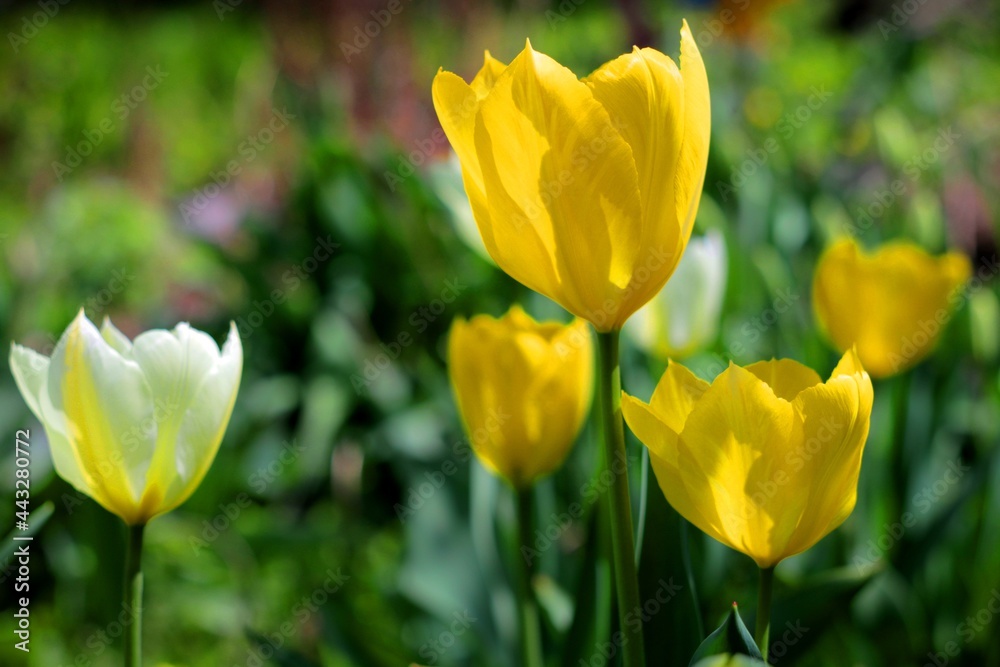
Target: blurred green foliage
x: 329, y: 484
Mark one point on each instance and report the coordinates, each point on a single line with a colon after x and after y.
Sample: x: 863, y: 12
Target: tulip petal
x: 31, y: 373
x: 735, y: 437
x: 566, y: 356
x: 643, y: 94
x: 836, y: 417
x: 676, y: 394
x: 177, y: 365
x: 104, y: 397
x: 579, y: 205
x: 893, y: 304
x: 511, y: 377
x: 785, y: 377
x: 115, y: 338
x: 29, y: 370
x: 482, y: 393
x: 487, y: 75
x: 204, y: 423
x: 653, y: 431
x: 697, y: 133
x: 457, y: 104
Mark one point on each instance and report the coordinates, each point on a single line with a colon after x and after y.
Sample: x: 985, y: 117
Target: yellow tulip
x: 766, y: 458
x: 892, y: 305
x: 135, y: 425
x: 523, y: 389
x: 583, y: 190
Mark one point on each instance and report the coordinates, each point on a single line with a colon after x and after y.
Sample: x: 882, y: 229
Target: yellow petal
x: 559, y: 177
x: 677, y: 485
x: 676, y: 394
x: 764, y: 475
x: 523, y: 390
x: 104, y: 397
x: 733, y: 442
x: 893, y: 305
x: 836, y: 417
x: 487, y: 76
x: 643, y: 94
x: 697, y: 133
x: 785, y: 377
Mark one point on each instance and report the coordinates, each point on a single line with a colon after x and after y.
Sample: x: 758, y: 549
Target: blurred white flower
x: 684, y: 317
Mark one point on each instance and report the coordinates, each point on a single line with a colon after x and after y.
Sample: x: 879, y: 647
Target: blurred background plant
x: 279, y: 165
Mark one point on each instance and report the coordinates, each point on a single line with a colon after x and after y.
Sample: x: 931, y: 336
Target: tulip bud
x: 523, y: 390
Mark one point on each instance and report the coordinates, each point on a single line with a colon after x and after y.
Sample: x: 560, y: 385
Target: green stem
x: 640, y: 531
x: 616, y: 461
x: 762, y: 635
x: 531, y: 639
x: 133, y: 597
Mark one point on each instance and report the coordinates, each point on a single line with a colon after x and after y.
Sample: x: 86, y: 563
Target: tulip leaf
x: 731, y: 637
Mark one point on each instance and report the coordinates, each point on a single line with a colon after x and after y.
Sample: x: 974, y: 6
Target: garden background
x: 280, y: 165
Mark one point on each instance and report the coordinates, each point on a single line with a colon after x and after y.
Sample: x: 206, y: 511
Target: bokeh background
x: 275, y: 165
